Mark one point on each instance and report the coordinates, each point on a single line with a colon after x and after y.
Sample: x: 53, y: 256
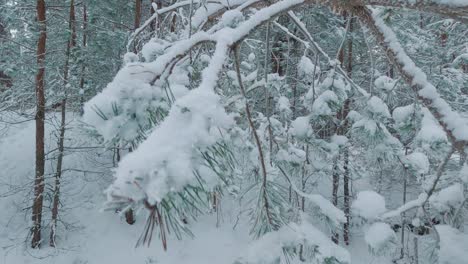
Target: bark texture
x: 40, y: 116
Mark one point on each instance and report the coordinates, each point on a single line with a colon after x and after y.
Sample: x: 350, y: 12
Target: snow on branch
x: 333, y: 213
x: 418, y: 202
x: 456, y: 9
x: 455, y: 126
x: 269, y: 248
x: 166, y: 160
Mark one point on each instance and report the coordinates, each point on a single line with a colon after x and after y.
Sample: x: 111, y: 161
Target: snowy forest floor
x: 88, y: 235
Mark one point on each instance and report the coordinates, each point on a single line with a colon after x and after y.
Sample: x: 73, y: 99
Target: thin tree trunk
x: 339, y: 130
x: 83, y: 64
x: 267, y: 92
x: 137, y: 14
x: 173, y: 22
x: 71, y: 43
x: 40, y: 116
x: 349, y: 69
x: 153, y: 23
x: 5, y: 80
x: 136, y: 22
x: 336, y: 184
x: 266, y: 203
x: 416, y: 253
x: 129, y: 215
x: 403, y: 222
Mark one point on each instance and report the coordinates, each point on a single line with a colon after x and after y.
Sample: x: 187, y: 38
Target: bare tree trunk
x: 136, y: 22
x: 83, y: 64
x: 153, y: 23
x: 173, y: 22
x: 266, y: 91
x: 40, y: 116
x: 58, y: 174
x: 349, y: 70
x: 137, y: 14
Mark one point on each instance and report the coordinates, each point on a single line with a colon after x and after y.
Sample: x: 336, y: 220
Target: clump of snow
x: 452, y: 245
x: 448, y: 198
x: 232, y: 18
x: 153, y: 48
x: 283, y: 105
x: 369, y: 205
x: 377, y: 107
x: 325, y: 104
x: 402, y: 114
x: 419, y: 162
x: 354, y: 116
x: 307, y: 67
x: 130, y: 57
x: 292, y: 154
x: 269, y: 248
x: 301, y: 128
x: 251, y: 57
x: 385, y: 83
x: 339, y: 140
x: 431, y: 131
x: 369, y: 125
x: 379, y: 236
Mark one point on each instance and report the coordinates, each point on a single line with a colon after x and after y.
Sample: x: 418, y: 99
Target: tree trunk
x: 173, y: 22
x: 153, y: 23
x: 129, y: 215
x: 268, y: 57
x: 349, y: 69
x: 136, y: 23
x: 137, y: 14
x: 83, y: 64
x: 403, y: 220
x: 58, y: 174
x: 336, y: 184
x: 5, y: 80
x: 40, y: 116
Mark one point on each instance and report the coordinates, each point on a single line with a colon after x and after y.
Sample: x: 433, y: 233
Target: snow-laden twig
x: 423, y: 197
x: 327, y: 208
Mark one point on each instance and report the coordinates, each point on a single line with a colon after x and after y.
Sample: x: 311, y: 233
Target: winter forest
x: 233, y: 131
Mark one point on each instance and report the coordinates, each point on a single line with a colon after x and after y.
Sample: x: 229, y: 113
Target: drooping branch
x: 453, y: 9
x: 228, y: 36
x: 454, y: 125
x: 256, y: 137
